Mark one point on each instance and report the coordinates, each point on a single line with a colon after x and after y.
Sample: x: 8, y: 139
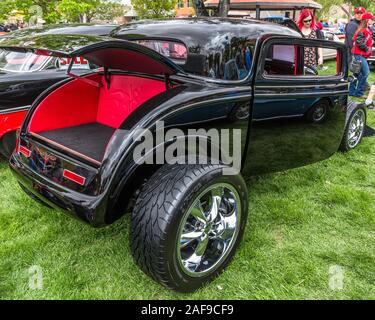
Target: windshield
x: 11, y: 61
x: 22, y: 61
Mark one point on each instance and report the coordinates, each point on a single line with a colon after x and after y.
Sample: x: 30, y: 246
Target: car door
x: 298, y: 111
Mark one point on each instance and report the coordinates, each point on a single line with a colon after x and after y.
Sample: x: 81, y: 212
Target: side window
x: 11, y: 61
x: 230, y: 63
x: 174, y: 50
x: 300, y: 61
x: 221, y: 59
x: 281, y: 60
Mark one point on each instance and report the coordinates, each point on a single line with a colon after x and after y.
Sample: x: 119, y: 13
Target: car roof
x: 81, y: 29
x: 198, y: 32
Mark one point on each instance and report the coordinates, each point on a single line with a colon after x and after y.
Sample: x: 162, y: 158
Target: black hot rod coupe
x: 75, y: 148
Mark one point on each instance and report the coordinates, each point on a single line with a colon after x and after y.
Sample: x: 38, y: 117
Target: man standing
x: 351, y: 29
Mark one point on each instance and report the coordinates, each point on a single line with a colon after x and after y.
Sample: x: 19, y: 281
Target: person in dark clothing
x: 362, y: 50
x: 351, y: 29
x: 319, y: 31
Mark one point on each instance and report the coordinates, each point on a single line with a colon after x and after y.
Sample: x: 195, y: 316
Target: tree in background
x: 327, y: 5
x: 73, y: 10
x: 107, y: 10
x: 223, y: 9
x: 154, y: 9
x: 367, y: 4
x: 30, y: 8
x: 6, y: 7
x: 53, y: 11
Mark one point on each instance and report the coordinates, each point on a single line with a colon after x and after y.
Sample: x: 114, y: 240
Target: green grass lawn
x: 303, y: 224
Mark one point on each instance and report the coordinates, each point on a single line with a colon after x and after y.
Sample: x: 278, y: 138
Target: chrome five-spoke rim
x: 242, y: 113
x: 356, y: 128
x: 319, y: 114
x: 209, y: 230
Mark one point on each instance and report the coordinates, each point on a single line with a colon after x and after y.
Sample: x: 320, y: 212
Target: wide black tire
x: 158, y: 213
x: 345, y: 145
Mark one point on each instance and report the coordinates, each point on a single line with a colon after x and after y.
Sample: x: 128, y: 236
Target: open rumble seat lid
x: 101, y: 51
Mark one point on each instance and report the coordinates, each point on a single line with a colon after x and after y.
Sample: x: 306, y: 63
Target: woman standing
x: 306, y: 23
x: 362, y: 50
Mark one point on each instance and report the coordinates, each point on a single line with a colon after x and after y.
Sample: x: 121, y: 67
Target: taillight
x: 74, y: 177
x: 26, y: 152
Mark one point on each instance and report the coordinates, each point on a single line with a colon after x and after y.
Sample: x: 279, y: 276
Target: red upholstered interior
x: 338, y: 63
x: 73, y: 104
x: 78, y: 102
x: 125, y: 95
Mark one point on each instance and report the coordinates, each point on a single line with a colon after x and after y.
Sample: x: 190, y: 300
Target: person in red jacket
x: 362, y: 50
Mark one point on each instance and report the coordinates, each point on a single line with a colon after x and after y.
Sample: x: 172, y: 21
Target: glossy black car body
x: 19, y: 89
x: 275, y: 132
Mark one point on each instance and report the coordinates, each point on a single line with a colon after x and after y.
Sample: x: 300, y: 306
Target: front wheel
x: 187, y: 224
x: 355, y: 130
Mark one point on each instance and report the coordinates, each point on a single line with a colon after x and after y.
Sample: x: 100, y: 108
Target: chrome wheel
x: 209, y: 230
x: 319, y: 114
x: 242, y: 113
x: 356, y: 128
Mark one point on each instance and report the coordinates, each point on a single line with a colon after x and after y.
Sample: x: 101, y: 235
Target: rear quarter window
x: 176, y: 51
x: 220, y: 59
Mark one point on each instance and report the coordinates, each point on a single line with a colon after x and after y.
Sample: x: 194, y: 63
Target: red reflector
x: 25, y: 152
x: 74, y: 177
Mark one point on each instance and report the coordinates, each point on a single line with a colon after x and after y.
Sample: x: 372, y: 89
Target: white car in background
x: 331, y: 36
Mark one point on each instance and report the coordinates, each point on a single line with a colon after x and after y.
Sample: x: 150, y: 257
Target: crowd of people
x: 360, y: 37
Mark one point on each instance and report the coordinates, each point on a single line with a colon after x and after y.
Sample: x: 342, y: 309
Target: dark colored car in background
x: 75, y: 150
x: 24, y: 76
x: 3, y: 30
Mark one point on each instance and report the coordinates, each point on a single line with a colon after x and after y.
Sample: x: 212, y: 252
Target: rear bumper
x: 83, y: 207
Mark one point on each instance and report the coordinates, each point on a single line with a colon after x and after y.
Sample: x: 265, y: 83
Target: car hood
x: 101, y: 51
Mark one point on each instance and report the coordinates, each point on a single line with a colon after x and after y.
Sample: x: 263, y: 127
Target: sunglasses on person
x: 307, y: 21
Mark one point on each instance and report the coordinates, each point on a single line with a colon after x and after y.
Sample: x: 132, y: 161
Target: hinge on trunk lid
x: 107, y: 77
x: 88, y: 81
x: 168, y: 83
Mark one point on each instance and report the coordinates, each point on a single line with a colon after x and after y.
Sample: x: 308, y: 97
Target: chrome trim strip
x: 300, y: 94
x: 13, y: 110
x: 320, y: 86
x: 280, y: 117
